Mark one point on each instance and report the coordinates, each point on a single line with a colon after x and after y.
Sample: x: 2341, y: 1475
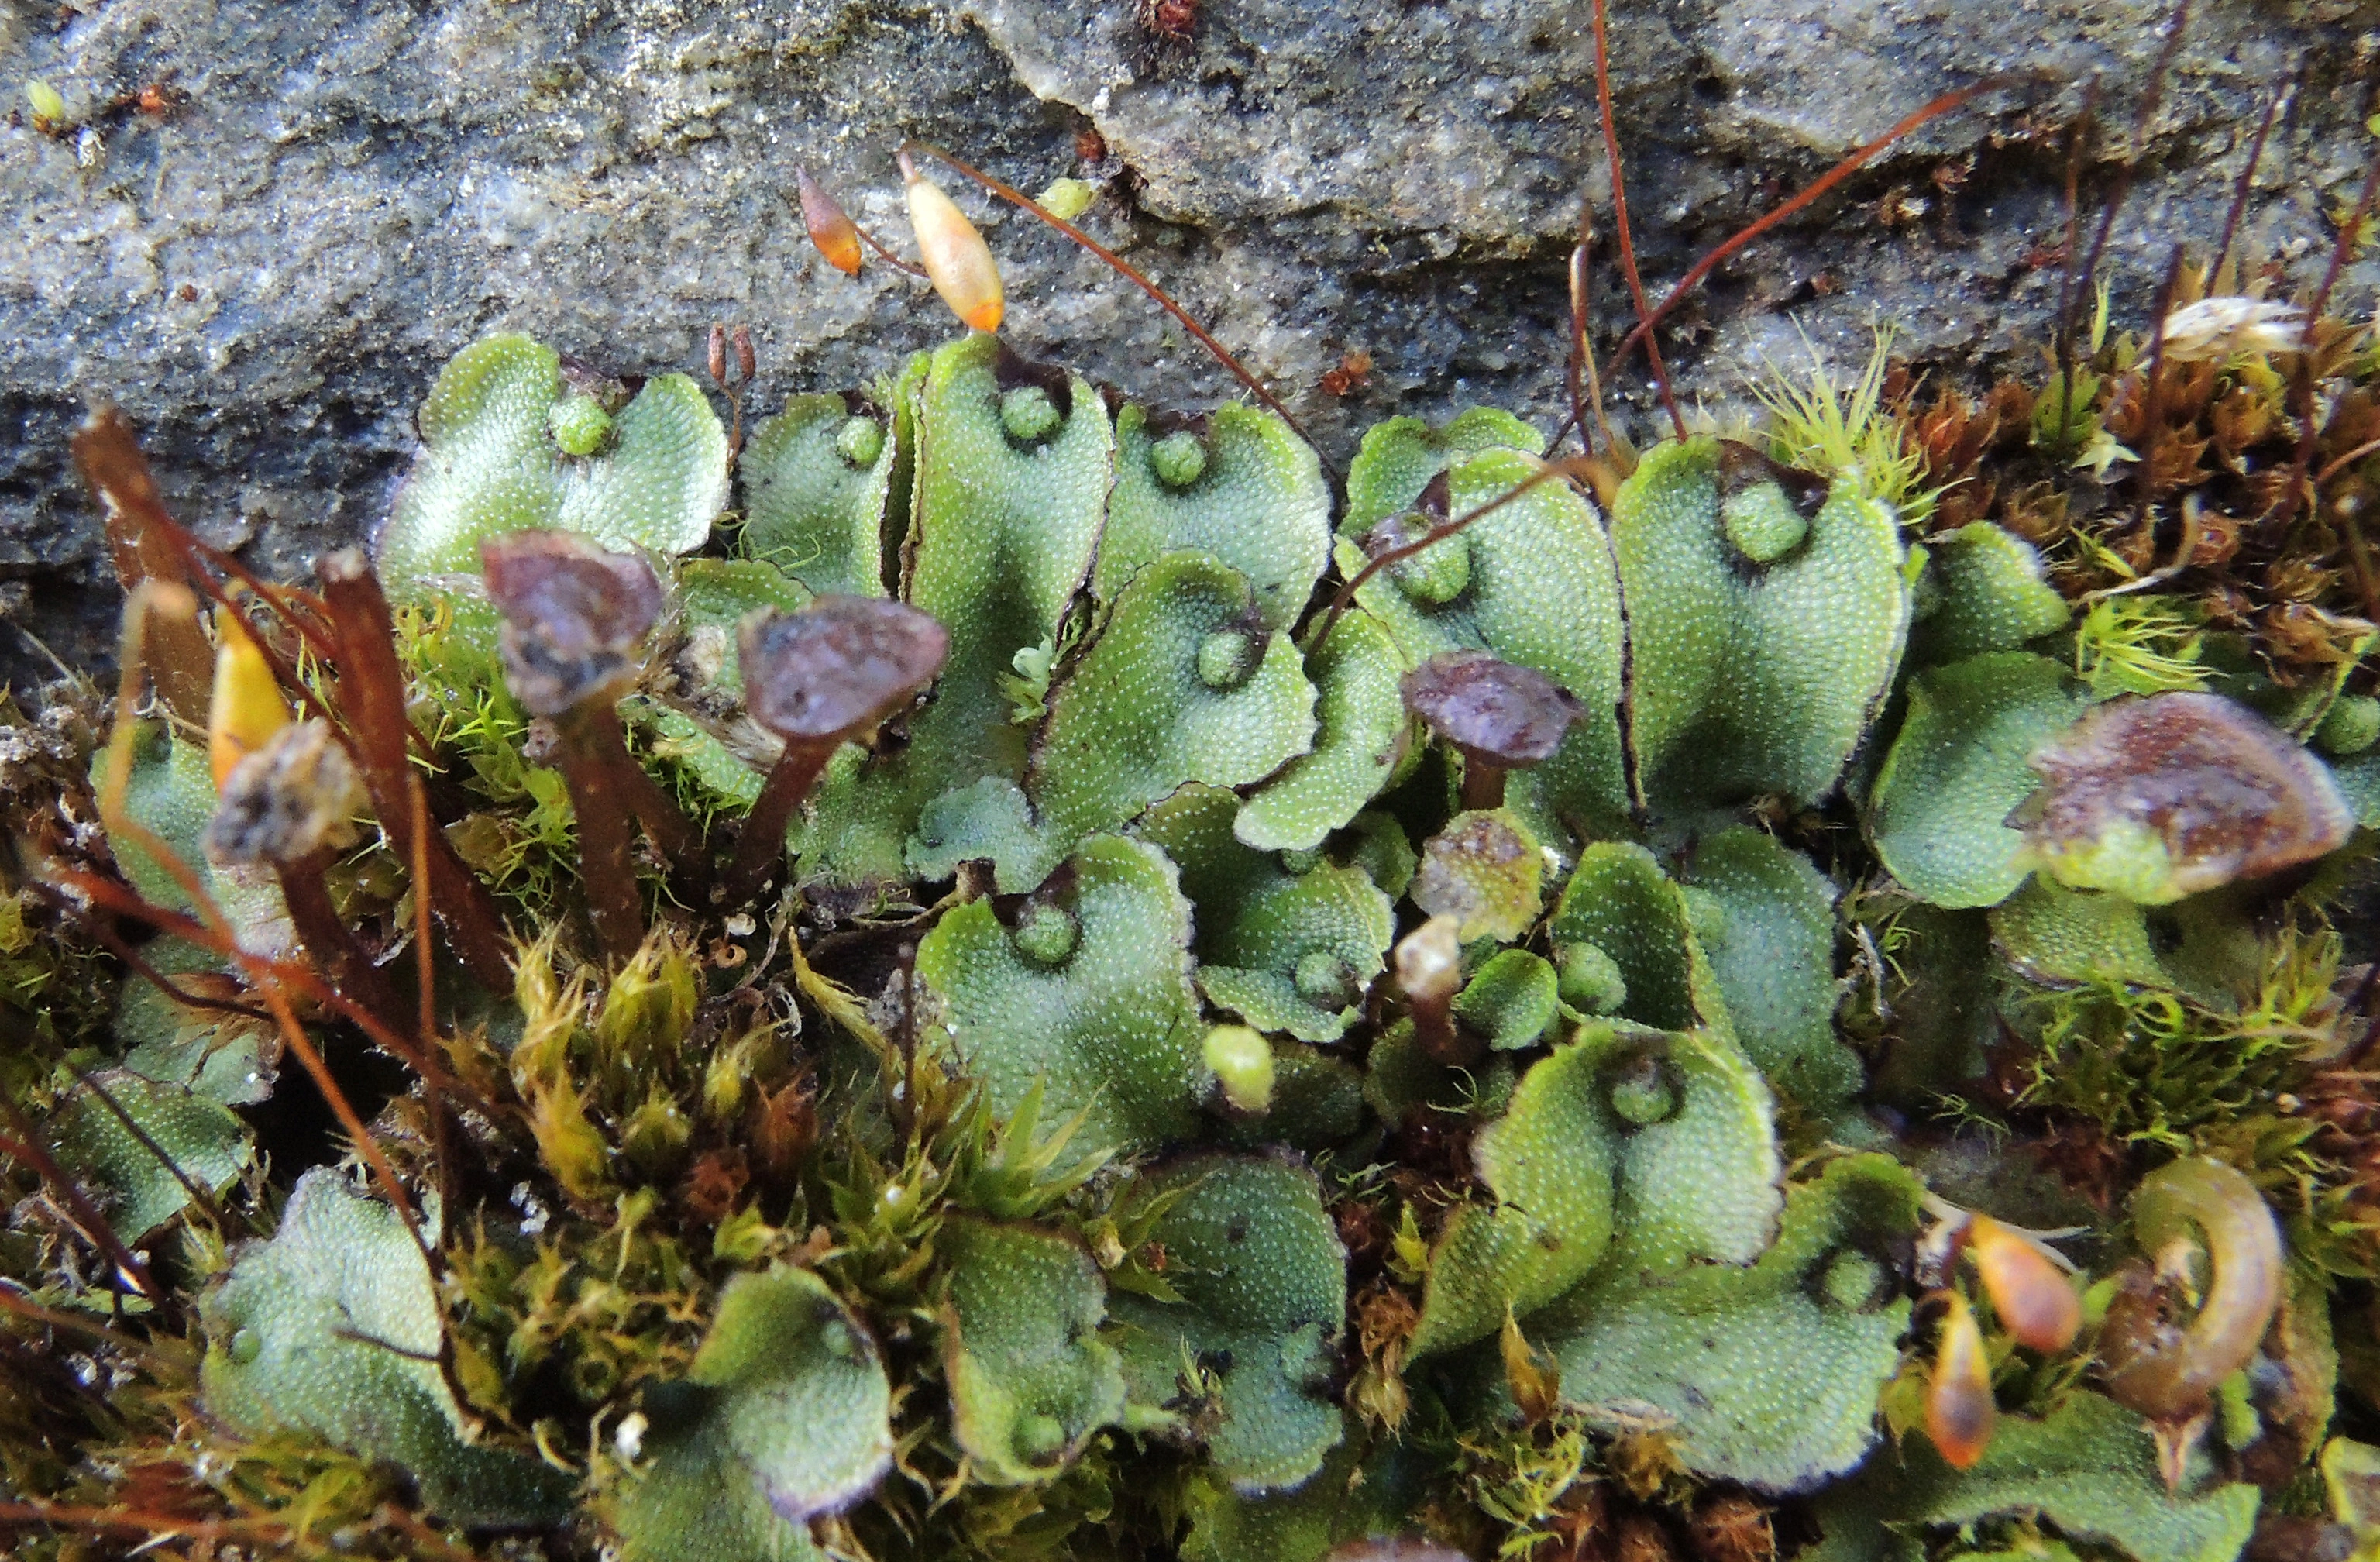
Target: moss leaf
x: 1618, y: 900
x: 1987, y: 594
x: 1254, y: 498
x: 489, y: 466
x: 1181, y: 685
x: 1765, y: 920
x: 1751, y: 678
x: 817, y: 480
x: 1512, y: 1000
x: 1001, y: 538
x: 786, y: 1414
x: 1360, y: 733
x: 1287, y: 952
x: 1485, y: 870
x: 204, y: 1140
x: 1548, y: 1165
x: 1767, y: 1375
x: 707, y: 729
x: 1400, y: 456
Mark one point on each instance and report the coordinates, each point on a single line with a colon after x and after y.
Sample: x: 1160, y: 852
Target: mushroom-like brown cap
x: 574, y: 613
x: 835, y: 670
x: 1496, y: 713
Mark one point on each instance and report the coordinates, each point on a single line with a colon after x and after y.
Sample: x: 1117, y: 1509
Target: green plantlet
x: 2140, y: 645
x: 1241, y: 1063
x: 1830, y: 428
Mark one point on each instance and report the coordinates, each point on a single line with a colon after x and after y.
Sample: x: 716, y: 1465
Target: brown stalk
x: 2151, y: 94
x: 1827, y: 181
x: 330, y: 942
x: 2078, y: 135
x: 2240, y: 192
x: 371, y: 696
x: 760, y: 842
x: 599, y: 797
x: 140, y: 1521
x: 163, y: 549
x: 575, y: 616
x: 2153, y: 389
x: 2302, y: 387
x: 109, y: 458
x: 1645, y: 315
x: 294, y: 1037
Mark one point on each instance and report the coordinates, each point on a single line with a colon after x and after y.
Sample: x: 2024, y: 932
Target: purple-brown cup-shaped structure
x: 819, y: 678
x: 1499, y: 716
x: 575, y: 620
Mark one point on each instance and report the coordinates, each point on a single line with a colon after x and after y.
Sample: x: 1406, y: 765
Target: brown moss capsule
x: 575, y: 615
x: 1499, y: 715
x: 836, y: 236
x: 2029, y: 1295
x: 1960, y: 1414
x: 958, y: 260
x: 2158, y: 798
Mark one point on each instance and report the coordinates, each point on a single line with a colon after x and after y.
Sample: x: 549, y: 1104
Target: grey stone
x: 267, y: 276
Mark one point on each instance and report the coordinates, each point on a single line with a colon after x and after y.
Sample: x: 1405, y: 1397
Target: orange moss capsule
x: 246, y: 708
x: 2032, y: 1299
x: 836, y: 236
x: 1960, y: 1414
x: 956, y: 257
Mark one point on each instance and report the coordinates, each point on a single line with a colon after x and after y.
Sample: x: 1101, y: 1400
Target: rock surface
x: 267, y: 274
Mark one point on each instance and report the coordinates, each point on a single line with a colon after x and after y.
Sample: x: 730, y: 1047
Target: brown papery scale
x: 1499, y: 716
x: 819, y: 678
x: 2228, y: 795
x: 290, y: 808
x: 576, y: 617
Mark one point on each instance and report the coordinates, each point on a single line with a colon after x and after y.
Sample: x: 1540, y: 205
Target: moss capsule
x: 956, y: 257
x: 2030, y: 1298
x: 836, y: 236
x: 1960, y: 1414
